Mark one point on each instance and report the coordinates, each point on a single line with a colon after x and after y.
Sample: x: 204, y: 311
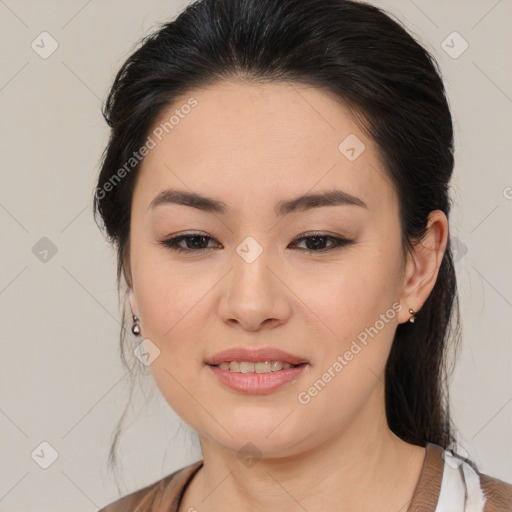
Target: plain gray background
x: 61, y: 378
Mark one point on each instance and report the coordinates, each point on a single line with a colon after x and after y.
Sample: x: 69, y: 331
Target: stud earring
x: 411, y: 312
x: 136, y: 325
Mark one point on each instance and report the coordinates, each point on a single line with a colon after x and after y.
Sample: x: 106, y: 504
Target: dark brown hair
x: 394, y: 88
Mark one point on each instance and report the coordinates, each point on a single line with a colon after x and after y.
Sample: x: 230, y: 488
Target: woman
x: 276, y: 185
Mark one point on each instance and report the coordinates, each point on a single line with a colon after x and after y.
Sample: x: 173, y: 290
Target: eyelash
x: 337, y: 242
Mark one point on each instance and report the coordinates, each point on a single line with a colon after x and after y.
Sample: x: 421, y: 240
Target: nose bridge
x: 253, y: 294
x: 251, y: 276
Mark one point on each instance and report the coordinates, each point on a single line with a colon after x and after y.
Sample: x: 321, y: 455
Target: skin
x: 252, y: 145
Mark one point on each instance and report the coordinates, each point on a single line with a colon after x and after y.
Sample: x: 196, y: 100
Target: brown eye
x: 315, y: 242
x: 197, y: 242
x: 193, y: 242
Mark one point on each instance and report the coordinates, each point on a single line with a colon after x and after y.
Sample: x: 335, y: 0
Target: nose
x: 254, y: 296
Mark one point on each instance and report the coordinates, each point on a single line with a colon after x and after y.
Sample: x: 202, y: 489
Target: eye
x: 197, y: 242
x: 317, y: 239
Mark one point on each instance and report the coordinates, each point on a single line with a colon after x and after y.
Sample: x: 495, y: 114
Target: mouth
x: 258, y: 378
x: 246, y: 359
x: 258, y: 367
x: 256, y: 370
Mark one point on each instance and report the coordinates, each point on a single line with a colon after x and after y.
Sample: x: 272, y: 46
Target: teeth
x: 234, y: 366
x: 245, y: 367
x: 259, y: 367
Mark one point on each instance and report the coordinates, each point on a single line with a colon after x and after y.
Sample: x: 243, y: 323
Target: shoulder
x: 162, y: 494
x: 449, y: 481
x: 498, y: 493
x: 462, y: 478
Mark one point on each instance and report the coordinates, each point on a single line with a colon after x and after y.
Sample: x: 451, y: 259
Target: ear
x: 133, y: 302
x: 423, y: 264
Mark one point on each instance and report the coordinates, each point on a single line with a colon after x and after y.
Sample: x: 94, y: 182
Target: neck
x: 366, y: 467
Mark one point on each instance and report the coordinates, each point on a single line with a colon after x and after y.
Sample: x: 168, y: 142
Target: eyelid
x: 338, y: 241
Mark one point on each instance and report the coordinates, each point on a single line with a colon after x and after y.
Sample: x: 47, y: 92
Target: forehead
x: 256, y: 143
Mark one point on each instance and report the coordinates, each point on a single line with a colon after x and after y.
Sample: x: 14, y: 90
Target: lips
x: 254, y: 355
x: 258, y: 383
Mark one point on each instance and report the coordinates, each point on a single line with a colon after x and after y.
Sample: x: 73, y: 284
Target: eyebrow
x: 284, y: 207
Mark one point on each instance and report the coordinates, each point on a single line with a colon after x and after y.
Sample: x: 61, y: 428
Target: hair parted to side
x: 394, y: 90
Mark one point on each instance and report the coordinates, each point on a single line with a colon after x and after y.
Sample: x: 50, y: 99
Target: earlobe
x: 424, y: 263
x: 133, y: 302
x: 136, y: 329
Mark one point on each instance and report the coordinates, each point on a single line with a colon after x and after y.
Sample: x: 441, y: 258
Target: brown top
x: 446, y: 484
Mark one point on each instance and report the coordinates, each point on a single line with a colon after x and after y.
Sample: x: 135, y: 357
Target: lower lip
x: 255, y: 383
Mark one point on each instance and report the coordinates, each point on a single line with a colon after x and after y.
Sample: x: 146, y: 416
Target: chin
x: 269, y: 438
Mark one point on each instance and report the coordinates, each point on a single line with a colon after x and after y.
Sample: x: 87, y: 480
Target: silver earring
x: 136, y: 325
x: 411, y: 312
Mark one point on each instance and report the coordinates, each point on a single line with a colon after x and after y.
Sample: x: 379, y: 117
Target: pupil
x: 317, y: 243
x: 198, y: 237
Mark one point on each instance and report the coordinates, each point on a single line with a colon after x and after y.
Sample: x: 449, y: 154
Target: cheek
x: 352, y: 351
x: 354, y: 295
x: 359, y: 311
x: 170, y: 309
x: 167, y: 295
x: 170, y: 304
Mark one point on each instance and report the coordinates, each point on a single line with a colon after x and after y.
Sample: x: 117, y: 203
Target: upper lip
x: 254, y: 355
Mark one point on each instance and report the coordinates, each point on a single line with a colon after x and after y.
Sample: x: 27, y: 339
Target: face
x: 256, y: 275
